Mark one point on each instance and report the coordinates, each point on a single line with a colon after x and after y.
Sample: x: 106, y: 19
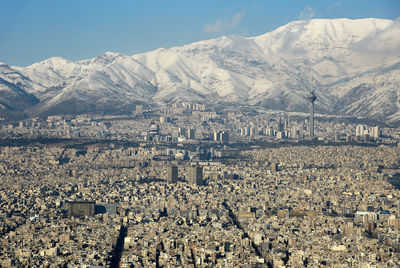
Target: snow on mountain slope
x: 13, y: 98
x: 48, y: 73
x: 108, y: 82
x: 324, y: 35
x: 351, y: 65
x: 16, y: 78
x: 375, y: 93
x: 55, y: 71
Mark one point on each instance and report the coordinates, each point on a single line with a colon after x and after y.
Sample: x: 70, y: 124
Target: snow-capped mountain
x: 353, y: 66
x: 13, y: 97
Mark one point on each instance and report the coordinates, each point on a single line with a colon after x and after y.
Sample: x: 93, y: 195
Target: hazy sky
x: 33, y: 30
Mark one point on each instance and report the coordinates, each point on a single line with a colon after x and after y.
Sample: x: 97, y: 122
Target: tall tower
x: 311, y: 98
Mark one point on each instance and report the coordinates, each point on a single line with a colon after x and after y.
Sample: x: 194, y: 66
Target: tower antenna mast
x: 311, y: 98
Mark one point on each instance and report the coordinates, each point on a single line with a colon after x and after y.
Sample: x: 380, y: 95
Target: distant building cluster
x: 192, y: 122
x: 366, y: 133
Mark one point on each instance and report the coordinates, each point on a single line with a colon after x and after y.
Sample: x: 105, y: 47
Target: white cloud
x: 213, y: 28
x: 237, y: 19
x: 307, y: 14
x: 222, y: 26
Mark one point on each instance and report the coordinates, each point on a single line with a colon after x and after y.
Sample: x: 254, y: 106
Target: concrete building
x: 191, y: 134
x: 80, y: 208
x: 224, y: 136
x: 216, y: 135
x: 221, y: 136
x: 172, y: 173
x: 196, y: 175
x: 361, y: 130
x: 106, y: 208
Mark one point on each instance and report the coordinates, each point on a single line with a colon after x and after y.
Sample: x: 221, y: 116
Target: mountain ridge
x: 338, y: 59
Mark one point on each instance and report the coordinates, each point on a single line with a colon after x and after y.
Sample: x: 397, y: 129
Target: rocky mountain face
x: 13, y: 97
x: 353, y: 66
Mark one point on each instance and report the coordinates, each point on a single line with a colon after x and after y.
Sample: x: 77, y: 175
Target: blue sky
x: 33, y: 30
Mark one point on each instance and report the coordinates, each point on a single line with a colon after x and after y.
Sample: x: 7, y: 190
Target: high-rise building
x: 280, y: 135
x: 269, y: 131
x: 281, y: 125
x: 287, y: 121
x: 196, y: 175
x: 182, y: 132
x: 221, y: 136
x: 375, y: 132
x: 224, y: 136
x: 216, y: 135
x: 191, y: 134
x: 311, y: 98
x: 361, y: 130
x: 245, y: 131
x: 252, y: 131
x: 172, y: 174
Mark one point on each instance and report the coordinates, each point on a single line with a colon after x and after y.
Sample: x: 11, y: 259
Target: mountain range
x: 352, y: 66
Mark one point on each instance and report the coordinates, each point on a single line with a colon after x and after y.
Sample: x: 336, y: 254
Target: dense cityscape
x: 200, y: 134
x: 190, y: 186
